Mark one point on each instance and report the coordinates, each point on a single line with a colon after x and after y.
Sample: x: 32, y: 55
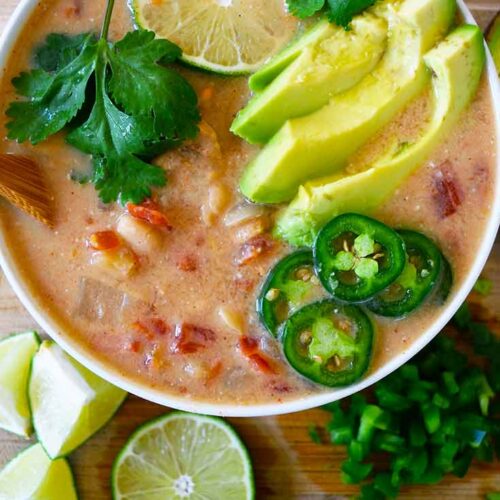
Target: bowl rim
x: 29, y: 298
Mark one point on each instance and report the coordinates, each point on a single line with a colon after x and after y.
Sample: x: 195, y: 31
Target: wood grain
x: 288, y: 465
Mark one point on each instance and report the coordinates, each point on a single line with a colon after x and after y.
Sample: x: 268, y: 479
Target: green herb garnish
x: 361, y: 258
x: 119, y: 101
x: 339, y: 12
x: 314, y: 434
x: 433, y: 416
x: 483, y: 286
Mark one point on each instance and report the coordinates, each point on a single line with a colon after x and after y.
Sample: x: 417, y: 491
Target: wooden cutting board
x: 287, y: 464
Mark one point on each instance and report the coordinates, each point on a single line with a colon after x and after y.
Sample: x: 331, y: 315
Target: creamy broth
x: 194, y: 270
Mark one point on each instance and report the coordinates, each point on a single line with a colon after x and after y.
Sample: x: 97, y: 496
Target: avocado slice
x: 494, y: 41
x: 265, y: 75
x: 456, y: 65
x: 324, y: 68
x: 319, y: 144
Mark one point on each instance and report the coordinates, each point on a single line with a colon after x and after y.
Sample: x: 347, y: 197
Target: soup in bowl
x: 249, y: 245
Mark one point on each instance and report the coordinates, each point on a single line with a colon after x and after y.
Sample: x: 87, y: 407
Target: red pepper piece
x: 149, y: 211
x: 187, y: 264
x: 447, y: 193
x: 189, y: 338
x: 253, y: 249
x: 214, y: 372
x: 249, y: 347
x: 104, y: 240
x: 263, y: 364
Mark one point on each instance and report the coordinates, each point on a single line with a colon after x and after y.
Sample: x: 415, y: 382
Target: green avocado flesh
x: 265, y: 75
x: 324, y: 68
x: 321, y: 143
x: 494, y: 41
x: 456, y: 65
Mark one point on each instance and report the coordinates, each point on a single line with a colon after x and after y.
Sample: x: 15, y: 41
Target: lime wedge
x: 181, y: 455
x: 69, y: 403
x: 33, y: 475
x: 16, y: 353
x: 223, y: 36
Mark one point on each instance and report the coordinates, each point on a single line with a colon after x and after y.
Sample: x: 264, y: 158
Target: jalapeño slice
x: 356, y: 257
x: 421, y: 274
x: 291, y: 284
x: 329, y: 343
x: 445, y: 283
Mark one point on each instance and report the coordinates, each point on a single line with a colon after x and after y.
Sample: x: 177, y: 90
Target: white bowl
x: 84, y: 356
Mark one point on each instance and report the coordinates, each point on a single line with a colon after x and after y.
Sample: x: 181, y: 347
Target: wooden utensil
x: 22, y: 183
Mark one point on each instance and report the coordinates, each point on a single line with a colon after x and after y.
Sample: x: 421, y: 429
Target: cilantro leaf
x: 364, y: 245
x: 483, y: 286
x: 341, y: 12
x: 114, y: 138
x: 59, y: 50
x: 125, y: 178
x: 53, y: 100
x: 33, y: 84
x: 139, y: 107
x: 144, y: 88
x: 366, y: 268
x: 344, y: 261
x: 304, y: 8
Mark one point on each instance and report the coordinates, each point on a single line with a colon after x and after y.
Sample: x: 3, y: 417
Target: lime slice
x: 181, y: 455
x: 16, y: 353
x: 223, y: 36
x: 33, y: 475
x: 69, y: 403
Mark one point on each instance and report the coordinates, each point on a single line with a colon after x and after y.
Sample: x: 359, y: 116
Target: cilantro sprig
x: 120, y: 102
x: 361, y: 258
x: 339, y: 12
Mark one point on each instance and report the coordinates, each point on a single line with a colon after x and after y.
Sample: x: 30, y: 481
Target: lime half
x: 181, y: 455
x: 223, y: 36
x: 16, y: 353
x: 33, y: 475
x: 69, y: 403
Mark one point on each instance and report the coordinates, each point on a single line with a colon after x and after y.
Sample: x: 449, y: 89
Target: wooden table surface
x: 287, y: 464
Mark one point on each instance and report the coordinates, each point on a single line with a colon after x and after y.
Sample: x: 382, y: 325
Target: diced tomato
x: 214, y: 372
x: 134, y: 346
x: 263, y: 364
x: 74, y: 10
x: 189, y: 338
x: 249, y: 347
x: 447, y: 192
x: 152, y: 327
x: 104, y: 240
x: 158, y: 326
x: 187, y: 264
x: 253, y: 249
x: 281, y: 388
x: 149, y: 211
x: 245, y: 284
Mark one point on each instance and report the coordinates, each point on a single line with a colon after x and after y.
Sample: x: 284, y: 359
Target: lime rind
x: 133, y: 466
x: 16, y: 354
x: 32, y: 474
x: 217, y: 36
x: 69, y: 403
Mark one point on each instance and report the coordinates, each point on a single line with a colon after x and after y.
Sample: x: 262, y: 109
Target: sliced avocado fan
x: 325, y: 67
x: 457, y: 64
x: 494, y: 41
x: 320, y: 144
